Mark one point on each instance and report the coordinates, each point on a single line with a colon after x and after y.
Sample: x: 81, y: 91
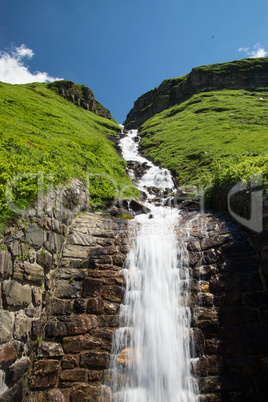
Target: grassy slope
x: 42, y: 132
x: 215, y: 137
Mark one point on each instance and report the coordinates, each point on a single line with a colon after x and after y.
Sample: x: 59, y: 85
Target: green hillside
x: 215, y: 137
x: 42, y: 132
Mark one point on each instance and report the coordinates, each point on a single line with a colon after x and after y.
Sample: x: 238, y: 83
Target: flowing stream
x: 151, y: 350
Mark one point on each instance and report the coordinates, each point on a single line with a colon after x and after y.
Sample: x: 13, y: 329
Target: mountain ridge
x: 248, y: 74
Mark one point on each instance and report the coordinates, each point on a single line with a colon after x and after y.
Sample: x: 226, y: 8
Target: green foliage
x: 216, y: 137
x: 39, y: 339
x: 256, y: 64
x: 47, y: 140
x: 125, y: 216
x: 240, y: 168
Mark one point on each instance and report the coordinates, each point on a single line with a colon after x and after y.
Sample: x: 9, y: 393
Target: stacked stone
x: 81, y: 311
x: 229, y: 303
x: 28, y: 251
x: 61, y: 286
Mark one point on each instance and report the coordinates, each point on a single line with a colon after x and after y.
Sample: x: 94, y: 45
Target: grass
x: 236, y: 74
x: 216, y: 137
x: 43, y: 135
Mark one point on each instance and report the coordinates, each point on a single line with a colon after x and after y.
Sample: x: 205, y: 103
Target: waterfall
x: 150, y: 359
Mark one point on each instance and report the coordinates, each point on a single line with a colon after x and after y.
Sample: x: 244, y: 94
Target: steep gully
x: 193, y: 320
x: 151, y: 348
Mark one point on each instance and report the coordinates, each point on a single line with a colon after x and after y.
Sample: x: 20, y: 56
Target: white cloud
x: 258, y: 51
x: 14, y: 71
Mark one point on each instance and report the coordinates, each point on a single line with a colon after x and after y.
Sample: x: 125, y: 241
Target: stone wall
x: 61, y: 287
x: 60, y: 290
x: 229, y: 308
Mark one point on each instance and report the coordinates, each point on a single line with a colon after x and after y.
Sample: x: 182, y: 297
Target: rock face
x: 81, y: 96
x: 246, y: 74
x: 229, y: 309
x: 61, y: 287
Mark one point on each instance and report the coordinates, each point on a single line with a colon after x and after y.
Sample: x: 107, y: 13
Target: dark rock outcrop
x: 229, y: 304
x: 81, y: 96
x: 246, y: 74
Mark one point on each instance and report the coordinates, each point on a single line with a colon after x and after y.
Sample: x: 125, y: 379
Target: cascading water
x: 150, y: 358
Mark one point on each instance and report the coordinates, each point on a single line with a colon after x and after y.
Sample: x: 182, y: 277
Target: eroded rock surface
x: 60, y: 301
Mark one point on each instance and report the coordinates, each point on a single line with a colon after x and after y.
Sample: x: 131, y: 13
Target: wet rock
x: 91, y: 287
x: 79, y: 306
x: 198, y: 342
x: 108, y: 321
x: 95, y: 306
x: 94, y: 359
x: 138, y: 207
x: 126, y: 356
x: 208, y: 365
x: 113, y: 293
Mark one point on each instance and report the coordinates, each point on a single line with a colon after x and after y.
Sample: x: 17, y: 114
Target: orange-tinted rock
x: 126, y: 356
x: 8, y: 355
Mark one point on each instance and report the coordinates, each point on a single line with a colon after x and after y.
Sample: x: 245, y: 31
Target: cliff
x: 81, y: 96
x: 248, y: 74
x: 61, y: 285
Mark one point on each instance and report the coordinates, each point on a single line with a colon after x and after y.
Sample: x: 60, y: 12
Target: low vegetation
x: 216, y: 137
x: 44, y: 137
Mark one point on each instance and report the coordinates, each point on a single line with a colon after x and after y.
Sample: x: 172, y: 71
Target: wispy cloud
x: 257, y: 51
x: 14, y: 71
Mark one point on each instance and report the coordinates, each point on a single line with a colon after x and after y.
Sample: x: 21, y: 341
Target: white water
x: 155, y: 176
x: 150, y: 357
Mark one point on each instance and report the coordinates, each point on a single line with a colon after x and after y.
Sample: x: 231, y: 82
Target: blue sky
x: 122, y: 49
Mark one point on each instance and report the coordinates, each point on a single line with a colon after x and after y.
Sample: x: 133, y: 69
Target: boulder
x: 138, y: 207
